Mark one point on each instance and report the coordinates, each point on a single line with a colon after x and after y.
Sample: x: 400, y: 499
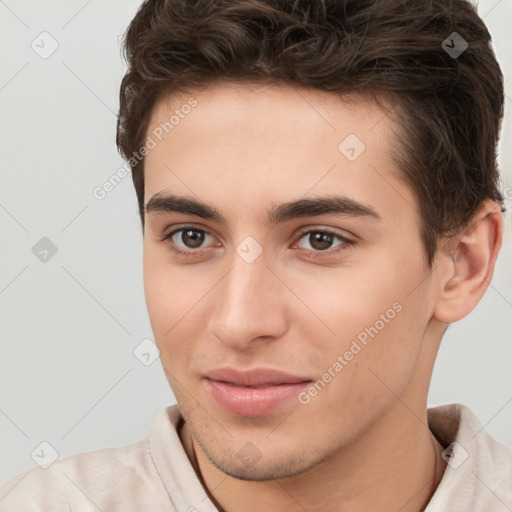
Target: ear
x: 465, y: 264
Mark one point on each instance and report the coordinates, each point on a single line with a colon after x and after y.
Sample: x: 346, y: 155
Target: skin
x: 363, y: 442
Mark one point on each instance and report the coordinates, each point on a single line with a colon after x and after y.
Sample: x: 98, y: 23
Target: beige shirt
x: 154, y: 474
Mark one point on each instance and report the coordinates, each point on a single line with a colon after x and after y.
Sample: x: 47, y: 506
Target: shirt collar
x: 478, y: 474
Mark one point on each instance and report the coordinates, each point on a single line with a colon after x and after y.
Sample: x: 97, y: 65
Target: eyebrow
x: 324, y: 205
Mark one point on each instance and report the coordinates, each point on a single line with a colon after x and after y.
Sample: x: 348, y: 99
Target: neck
x: 395, y: 465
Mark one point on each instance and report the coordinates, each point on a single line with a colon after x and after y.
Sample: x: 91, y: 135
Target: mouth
x: 253, y: 393
x: 257, y: 386
x: 254, y: 377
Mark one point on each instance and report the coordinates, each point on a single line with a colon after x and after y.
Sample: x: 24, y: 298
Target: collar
x: 478, y: 475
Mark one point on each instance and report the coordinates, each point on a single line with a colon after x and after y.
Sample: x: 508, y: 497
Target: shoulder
x: 108, y: 479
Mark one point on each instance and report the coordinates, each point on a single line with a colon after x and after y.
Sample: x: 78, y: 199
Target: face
x: 335, y: 294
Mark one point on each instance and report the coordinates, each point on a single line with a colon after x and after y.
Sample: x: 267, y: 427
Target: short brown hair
x: 448, y: 108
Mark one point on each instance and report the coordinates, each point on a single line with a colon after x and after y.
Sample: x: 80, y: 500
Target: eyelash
x: 346, y: 242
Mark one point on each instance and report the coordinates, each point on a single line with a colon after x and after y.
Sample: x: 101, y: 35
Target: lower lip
x: 252, y: 401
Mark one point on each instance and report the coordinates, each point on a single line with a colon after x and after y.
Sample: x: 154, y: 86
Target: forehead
x: 260, y: 142
x: 271, y: 108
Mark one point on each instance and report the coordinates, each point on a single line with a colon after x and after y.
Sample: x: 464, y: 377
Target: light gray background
x: 69, y: 326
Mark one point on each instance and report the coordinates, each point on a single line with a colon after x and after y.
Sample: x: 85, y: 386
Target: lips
x: 253, y: 378
x: 254, y: 392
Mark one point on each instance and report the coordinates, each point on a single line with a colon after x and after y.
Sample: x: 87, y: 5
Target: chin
x: 260, y: 474
x: 250, y: 464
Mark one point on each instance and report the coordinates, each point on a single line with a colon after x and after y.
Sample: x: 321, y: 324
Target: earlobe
x: 468, y: 260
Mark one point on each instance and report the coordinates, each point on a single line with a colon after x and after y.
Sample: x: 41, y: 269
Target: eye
x: 188, y: 240
x: 191, y: 238
x: 320, y: 240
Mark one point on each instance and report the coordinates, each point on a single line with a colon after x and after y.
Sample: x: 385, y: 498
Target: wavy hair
x: 447, y: 108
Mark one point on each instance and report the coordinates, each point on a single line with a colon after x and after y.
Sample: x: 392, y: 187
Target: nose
x: 250, y: 305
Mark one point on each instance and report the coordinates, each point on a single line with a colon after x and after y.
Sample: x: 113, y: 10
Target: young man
x: 318, y: 190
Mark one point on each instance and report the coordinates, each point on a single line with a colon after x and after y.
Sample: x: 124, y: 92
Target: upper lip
x: 254, y: 377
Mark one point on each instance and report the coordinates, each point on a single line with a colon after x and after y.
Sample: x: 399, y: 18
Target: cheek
x: 173, y: 298
x: 165, y: 294
x: 366, y: 364
x: 370, y: 316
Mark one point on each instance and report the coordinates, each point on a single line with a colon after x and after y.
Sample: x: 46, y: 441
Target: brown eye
x: 186, y: 240
x: 322, y: 240
x: 192, y: 238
